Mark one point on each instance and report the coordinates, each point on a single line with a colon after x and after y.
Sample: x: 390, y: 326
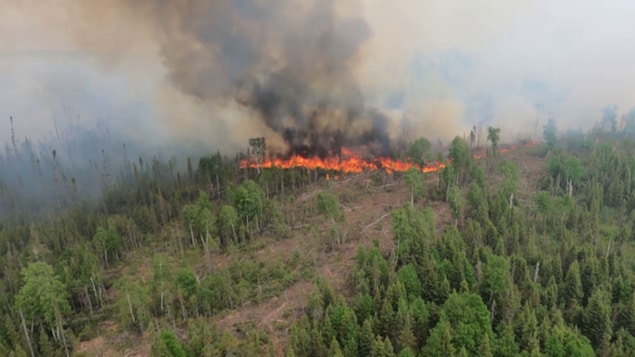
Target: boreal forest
x: 523, y: 250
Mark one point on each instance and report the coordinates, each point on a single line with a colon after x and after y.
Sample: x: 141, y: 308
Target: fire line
x: 351, y: 162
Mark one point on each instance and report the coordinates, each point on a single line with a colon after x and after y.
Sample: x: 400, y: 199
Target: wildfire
x: 348, y: 162
x: 351, y: 162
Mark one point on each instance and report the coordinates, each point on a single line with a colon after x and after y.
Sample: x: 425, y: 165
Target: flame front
x: 351, y: 162
x: 348, y: 162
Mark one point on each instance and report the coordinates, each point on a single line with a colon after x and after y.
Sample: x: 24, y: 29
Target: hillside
x: 519, y: 252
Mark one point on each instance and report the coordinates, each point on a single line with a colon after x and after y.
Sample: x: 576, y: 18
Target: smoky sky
x: 286, y: 64
x: 219, y: 72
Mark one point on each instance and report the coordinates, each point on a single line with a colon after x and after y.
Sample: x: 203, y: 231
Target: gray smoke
x: 288, y: 63
x: 317, y: 72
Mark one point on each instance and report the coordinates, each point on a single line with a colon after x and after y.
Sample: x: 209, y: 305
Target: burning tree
x: 258, y: 148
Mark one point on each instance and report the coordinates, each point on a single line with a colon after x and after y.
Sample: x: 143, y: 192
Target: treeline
x: 61, y: 277
x: 69, y: 169
x: 543, y: 274
x: 524, y: 268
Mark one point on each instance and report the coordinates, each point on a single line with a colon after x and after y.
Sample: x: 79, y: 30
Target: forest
x: 528, y: 252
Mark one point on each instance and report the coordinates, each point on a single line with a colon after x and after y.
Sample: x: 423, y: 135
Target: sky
x: 440, y: 66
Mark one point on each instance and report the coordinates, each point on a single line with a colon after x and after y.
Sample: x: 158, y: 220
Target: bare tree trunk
x: 192, y: 235
x: 97, y: 292
x: 179, y: 240
x: 234, y: 233
x: 130, y: 307
x: 26, y: 334
x: 208, y: 255
x: 282, y: 183
x: 134, y: 238
x: 171, y: 316
x: 61, y: 329
x: 183, y: 310
x: 106, y: 256
x: 217, y: 185
x: 536, y: 271
x: 90, y: 304
x: 248, y: 229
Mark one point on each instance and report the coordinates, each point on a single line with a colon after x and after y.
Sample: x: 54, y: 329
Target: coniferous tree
x: 440, y: 341
x: 597, y: 318
x: 572, y: 290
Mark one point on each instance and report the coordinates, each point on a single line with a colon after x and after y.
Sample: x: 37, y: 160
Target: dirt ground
x: 367, y: 200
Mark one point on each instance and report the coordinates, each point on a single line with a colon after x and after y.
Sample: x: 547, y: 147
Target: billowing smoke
x: 287, y: 64
x: 83, y: 78
x: 310, y: 74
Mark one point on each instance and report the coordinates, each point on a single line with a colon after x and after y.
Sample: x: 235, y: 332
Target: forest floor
x: 367, y: 200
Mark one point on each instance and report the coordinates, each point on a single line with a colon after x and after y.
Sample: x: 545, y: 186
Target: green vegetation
x: 420, y: 151
x: 525, y: 257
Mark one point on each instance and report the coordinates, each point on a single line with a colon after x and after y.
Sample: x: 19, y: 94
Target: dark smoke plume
x: 290, y: 63
x: 217, y: 72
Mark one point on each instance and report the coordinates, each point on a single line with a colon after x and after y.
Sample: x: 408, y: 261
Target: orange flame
x: 351, y: 162
x: 531, y: 143
x: 348, y: 162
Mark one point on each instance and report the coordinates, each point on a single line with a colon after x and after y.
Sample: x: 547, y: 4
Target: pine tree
x: 526, y: 327
x: 300, y: 340
x: 485, y: 350
x: 597, y: 318
x: 407, y: 275
x: 440, y: 341
x: 407, y: 352
x: 366, y: 339
x: 386, y: 322
x: 626, y: 315
x: 335, y: 349
x: 572, y: 289
x: 550, y: 294
x: 405, y: 337
x: 420, y: 323
x: 167, y: 345
x: 505, y: 344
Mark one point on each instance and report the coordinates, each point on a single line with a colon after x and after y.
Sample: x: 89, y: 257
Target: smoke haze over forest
x: 141, y: 214
x: 219, y: 72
